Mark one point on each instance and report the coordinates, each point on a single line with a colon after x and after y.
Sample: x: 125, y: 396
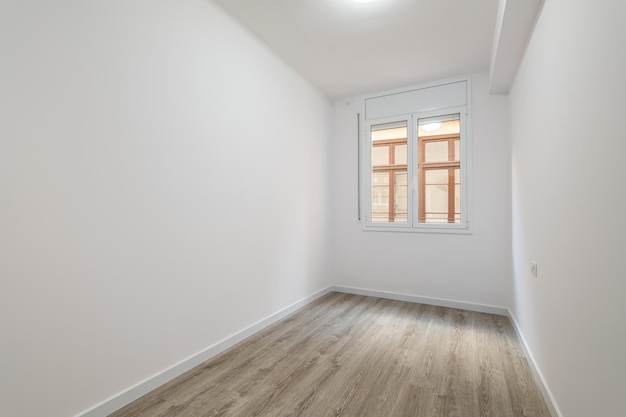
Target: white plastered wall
x: 569, y: 167
x: 162, y: 186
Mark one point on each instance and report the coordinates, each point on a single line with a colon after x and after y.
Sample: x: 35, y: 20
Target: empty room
x: 273, y: 208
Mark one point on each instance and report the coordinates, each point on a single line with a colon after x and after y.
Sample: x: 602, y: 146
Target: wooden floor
x: 355, y: 356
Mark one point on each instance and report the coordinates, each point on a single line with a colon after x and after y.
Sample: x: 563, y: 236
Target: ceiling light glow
x: 431, y: 126
x: 363, y: 1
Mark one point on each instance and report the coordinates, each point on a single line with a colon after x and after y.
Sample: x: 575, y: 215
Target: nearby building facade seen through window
x: 439, y: 174
x: 389, y: 173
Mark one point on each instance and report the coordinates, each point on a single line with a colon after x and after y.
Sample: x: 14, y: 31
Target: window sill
x: 456, y: 230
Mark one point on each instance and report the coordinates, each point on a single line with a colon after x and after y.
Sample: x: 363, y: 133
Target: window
x: 416, y: 172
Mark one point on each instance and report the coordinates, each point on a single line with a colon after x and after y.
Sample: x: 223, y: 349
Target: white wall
x: 471, y: 268
x: 569, y: 157
x: 162, y: 186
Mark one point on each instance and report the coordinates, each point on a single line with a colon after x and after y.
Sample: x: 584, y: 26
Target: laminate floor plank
x: 518, y: 376
x: 491, y: 378
x: 356, y: 356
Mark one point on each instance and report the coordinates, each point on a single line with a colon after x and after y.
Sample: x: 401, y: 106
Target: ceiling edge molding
x: 515, y: 23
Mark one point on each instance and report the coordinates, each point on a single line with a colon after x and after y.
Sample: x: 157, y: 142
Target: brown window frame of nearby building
x: 451, y: 165
x: 391, y: 168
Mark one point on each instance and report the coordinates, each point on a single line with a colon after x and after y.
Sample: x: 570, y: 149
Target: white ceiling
x: 346, y: 48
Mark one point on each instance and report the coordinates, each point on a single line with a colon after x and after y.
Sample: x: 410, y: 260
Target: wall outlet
x: 533, y: 268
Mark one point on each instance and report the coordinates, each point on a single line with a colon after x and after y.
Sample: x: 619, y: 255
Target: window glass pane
x: 436, y: 176
x: 437, y: 199
x: 380, y: 197
x: 436, y: 151
x: 457, y: 195
x: 436, y: 195
x: 389, y: 186
x: 436, y: 143
x: 380, y: 155
x: 400, y: 197
x: 389, y: 131
x: 439, y: 125
x: 400, y: 154
x: 436, y: 218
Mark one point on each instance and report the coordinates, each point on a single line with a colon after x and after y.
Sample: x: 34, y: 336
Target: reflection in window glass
x: 457, y: 195
x: 389, y: 172
x: 436, y: 195
x: 439, y: 199
x: 380, y: 196
x: 400, y: 194
x: 436, y: 151
x: 400, y: 154
x: 416, y: 179
x: 380, y: 155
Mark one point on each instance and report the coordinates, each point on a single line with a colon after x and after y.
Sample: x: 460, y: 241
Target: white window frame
x: 412, y: 224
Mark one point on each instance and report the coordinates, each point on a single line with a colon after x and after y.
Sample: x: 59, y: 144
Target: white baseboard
x: 142, y: 388
x: 481, y: 308
x: 541, y: 382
